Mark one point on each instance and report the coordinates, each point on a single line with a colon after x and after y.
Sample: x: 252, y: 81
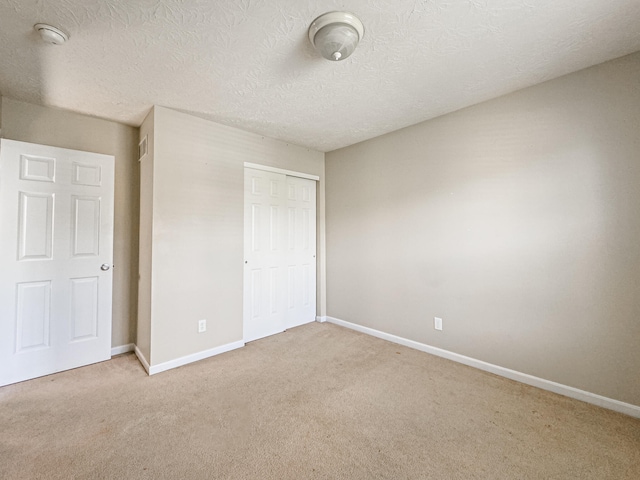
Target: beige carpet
x: 317, y: 402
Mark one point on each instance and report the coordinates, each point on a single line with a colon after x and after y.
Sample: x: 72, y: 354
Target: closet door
x: 301, y: 251
x: 264, y: 249
x: 280, y: 253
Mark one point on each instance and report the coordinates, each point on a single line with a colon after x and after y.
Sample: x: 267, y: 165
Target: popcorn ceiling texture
x: 248, y: 63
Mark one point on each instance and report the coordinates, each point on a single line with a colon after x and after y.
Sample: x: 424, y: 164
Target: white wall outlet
x: 437, y: 323
x: 202, y: 326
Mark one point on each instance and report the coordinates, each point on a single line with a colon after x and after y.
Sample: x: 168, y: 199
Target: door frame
x: 290, y: 173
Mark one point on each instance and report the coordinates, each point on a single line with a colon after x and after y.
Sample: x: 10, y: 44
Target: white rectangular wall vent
x: 142, y: 148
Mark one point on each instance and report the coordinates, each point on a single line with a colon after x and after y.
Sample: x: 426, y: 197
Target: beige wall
x: 197, y: 231
x: 143, y: 341
x: 517, y: 221
x: 59, y: 128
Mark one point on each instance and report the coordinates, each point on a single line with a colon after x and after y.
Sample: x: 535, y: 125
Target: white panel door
x: 264, y: 269
x: 301, y: 251
x: 280, y: 251
x: 56, y: 254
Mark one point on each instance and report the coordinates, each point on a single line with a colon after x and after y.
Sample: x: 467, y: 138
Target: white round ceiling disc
x: 51, y: 34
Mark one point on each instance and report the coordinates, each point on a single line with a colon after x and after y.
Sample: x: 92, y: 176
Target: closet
x: 279, y: 252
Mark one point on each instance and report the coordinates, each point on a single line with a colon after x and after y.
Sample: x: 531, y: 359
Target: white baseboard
x: 321, y: 319
x: 130, y: 347
x: 178, y: 362
x: 142, y: 359
x: 599, y: 400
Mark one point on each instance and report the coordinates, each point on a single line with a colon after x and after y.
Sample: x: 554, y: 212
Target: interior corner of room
x: 513, y: 221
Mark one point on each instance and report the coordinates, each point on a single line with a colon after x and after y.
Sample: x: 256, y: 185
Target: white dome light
x: 335, y: 35
x: 51, y: 34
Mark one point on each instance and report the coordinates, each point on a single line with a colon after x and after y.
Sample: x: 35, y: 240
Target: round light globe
x: 335, y: 35
x: 336, y: 41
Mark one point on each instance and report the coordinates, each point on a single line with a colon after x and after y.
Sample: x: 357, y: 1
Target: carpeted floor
x: 317, y: 402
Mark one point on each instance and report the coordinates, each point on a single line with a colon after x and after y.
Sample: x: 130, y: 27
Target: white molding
x: 291, y: 173
x: 194, y: 357
x: 141, y: 358
x: 321, y: 319
x: 567, y: 391
x: 129, y: 347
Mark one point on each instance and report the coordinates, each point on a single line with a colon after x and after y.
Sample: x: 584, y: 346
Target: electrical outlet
x: 437, y: 323
x: 202, y: 326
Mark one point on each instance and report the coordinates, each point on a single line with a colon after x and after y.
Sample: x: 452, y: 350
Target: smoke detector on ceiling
x: 51, y: 34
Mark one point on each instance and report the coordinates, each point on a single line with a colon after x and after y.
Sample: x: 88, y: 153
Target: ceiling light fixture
x: 51, y: 34
x: 335, y: 35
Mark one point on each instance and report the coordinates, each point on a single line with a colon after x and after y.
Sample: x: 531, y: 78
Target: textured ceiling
x: 248, y: 63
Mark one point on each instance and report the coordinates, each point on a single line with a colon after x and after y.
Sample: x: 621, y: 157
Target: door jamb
x: 290, y: 173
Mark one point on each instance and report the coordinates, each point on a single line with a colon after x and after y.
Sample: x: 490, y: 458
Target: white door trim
x: 291, y: 173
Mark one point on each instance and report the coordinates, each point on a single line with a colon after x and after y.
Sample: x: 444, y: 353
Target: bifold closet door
x: 279, y: 247
x: 56, y: 254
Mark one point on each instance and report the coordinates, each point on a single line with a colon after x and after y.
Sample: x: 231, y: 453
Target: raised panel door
x: 301, y: 251
x: 264, y: 295
x: 56, y: 231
